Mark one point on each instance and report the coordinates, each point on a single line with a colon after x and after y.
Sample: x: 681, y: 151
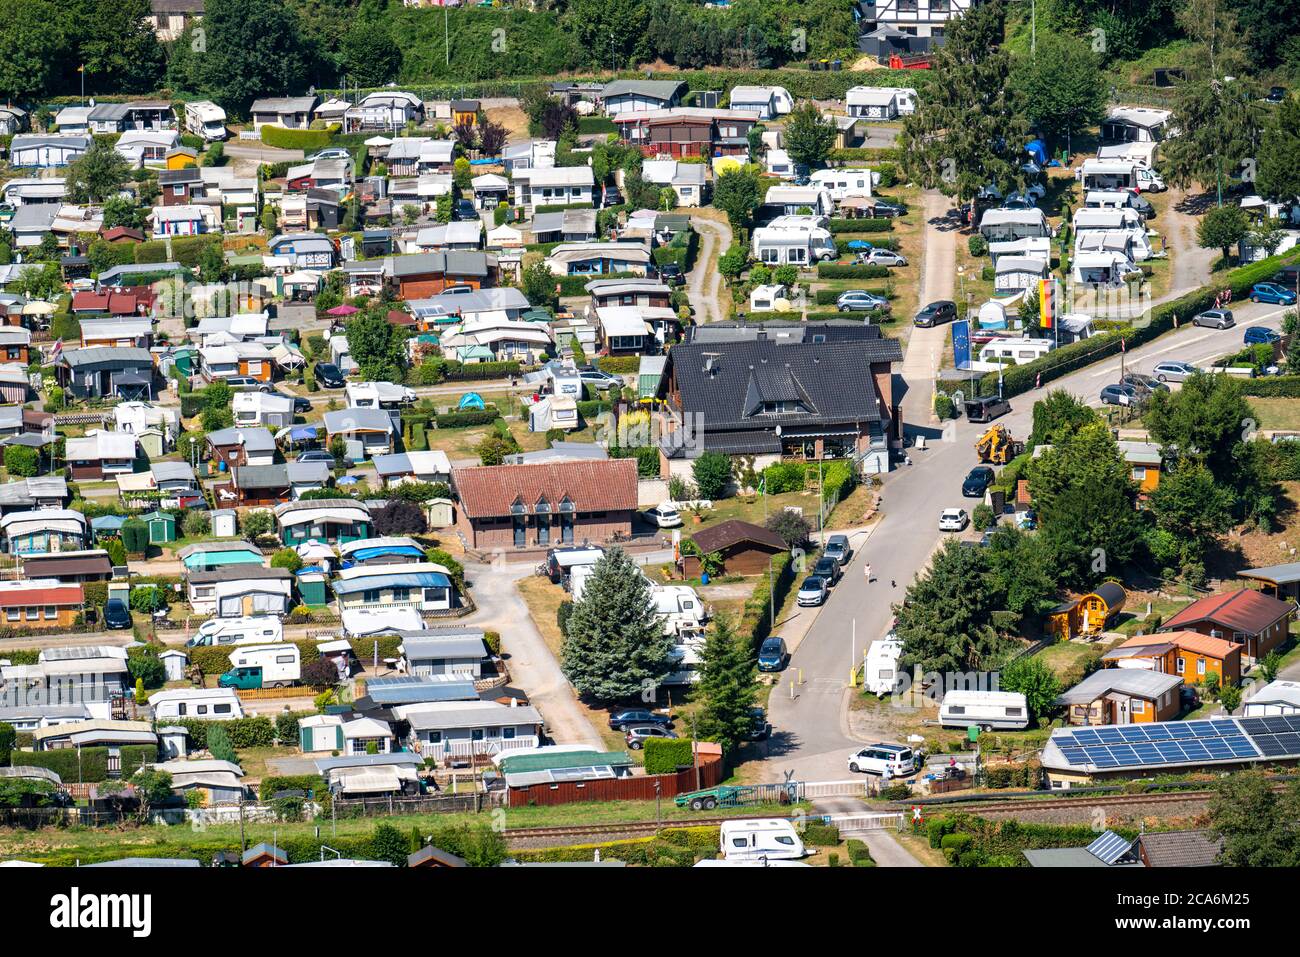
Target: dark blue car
x: 772, y: 655
x: 1272, y: 292
x: 1254, y: 335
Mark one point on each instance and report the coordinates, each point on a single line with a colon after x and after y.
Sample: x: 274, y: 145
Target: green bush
x: 8, y: 740
x: 307, y: 140
x: 596, y: 124
x: 21, y: 461
x: 619, y: 365
x: 89, y: 765
x: 460, y: 420
x: 817, y: 834
x: 977, y: 245
x: 840, y: 271
x: 313, y: 784
x: 666, y: 755
x: 861, y: 225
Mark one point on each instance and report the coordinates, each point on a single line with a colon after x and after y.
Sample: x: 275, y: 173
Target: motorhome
x: 560, y: 562
x: 686, y: 664
x: 1107, y: 174
x: 263, y: 666
x: 204, y: 118
x: 989, y: 710
x: 679, y: 608
x: 845, y: 182
x: 758, y: 838
x: 254, y: 630
x: 880, y: 672
x: 793, y: 240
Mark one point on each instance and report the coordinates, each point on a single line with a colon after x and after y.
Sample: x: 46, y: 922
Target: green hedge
x: 868, y: 225
x: 86, y: 765
x: 675, y: 847
x: 576, y: 285
x: 313, y: 784
x: 596, y: 124
x: 827, y: 297
x: 666, y: 755
x: 559, y: 207
x: 470, y: 372
x: 619, y: 365
x: 756, y: 617
x: 875, y: 316
x: 854, y: 271
x: 258, y: 732
x: 592, y: 408
x: 186, y: 250
x: 1067, y: 359
x: 306, y: 140
x: 461, y: 420
x: 1271, y: 387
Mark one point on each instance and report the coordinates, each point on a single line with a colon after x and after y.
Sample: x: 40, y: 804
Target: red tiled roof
x: 113, y: 301
x: 1192, y: 641
x: 123, y: 232
x: 605, y: 486
x: 1245, y: 610
x: 57, y: 595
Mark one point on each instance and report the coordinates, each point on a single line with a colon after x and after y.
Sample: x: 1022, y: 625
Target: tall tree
x: 1258, y: 827
x: 31, y: 45
x: 117, y: 46
x: 1190, y: 505
x: 253, y: 49
x: 726, y: 686
x: 970, y: 129
x: 1215, y: 109
x: 1031, y: 677
x: 737, y: 193
x: 1222, y: 228
x: 1061, y: 85
x: 1277, y: 175
x: 614, y: 646
x: 1059, y: 412
x: 1085, y: 502
x: 808, y: 135
x: 370, y: 55
x: 1204, y: 421
x: 377, y: 347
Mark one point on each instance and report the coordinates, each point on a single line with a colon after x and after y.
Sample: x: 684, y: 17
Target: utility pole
x: 446, y: 32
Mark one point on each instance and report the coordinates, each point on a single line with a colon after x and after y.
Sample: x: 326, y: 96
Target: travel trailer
x: 989, y: 710
x: 263, y: 666
x: 255, y: 630
x: 880, y: 673
x: 755, y: 839
x: 560, y: 562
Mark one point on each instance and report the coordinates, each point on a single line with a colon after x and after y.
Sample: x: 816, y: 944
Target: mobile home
x: 880, y: 672
x: 1004, y: 710
x: 252, y: 630
x: 212, y: 704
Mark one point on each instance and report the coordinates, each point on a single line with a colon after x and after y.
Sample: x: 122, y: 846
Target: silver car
x: 1173, y: 371
x: 1214, y: 318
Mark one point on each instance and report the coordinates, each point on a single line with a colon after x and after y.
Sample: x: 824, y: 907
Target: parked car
x: 246, y: 383
x: 594, y: 378
x: 612, y: 197
x: 1214, y: 318
x: 953, y: 520
x: 465, y: 210
x: 321, y: 455
x: 859, y: 300
x: 639, y: 734
x: 977, y: 481
x: 1144, y: 206
x: 301, y: 406
x: 1174, y: 370
x: 838, y: 548
x: 829, y: 569
x: 1254, y: 335
x: 1272, y: 292
x: 879, y: 209
x: 986, y: 408
x: 1143, y: 382
x: 328, y: 375
x: 812, y: 592
x: 116, y: 614
x: 664, y: 515
x: 329, y: 153
x: 1120, y: 393
x: 881, y: 257
x: 772, y: 654
x: 1276, y: 94
x: 670, y: 274
x: 944, y: 310
x: 630, y: 717
x: 898, y: 759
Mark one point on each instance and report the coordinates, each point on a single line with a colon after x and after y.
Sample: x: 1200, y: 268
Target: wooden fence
x: 421, y: 804
x: 252, y: 694
x: 635, y: 788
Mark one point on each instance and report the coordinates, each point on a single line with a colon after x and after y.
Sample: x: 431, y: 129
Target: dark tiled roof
x: 727, y: 383
x: 1180, y: 849
x: 835, y: 330
x: 733, y: 532
x: 1245, y: 610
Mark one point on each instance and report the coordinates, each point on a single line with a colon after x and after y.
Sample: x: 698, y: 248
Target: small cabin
x: 1088, y: 615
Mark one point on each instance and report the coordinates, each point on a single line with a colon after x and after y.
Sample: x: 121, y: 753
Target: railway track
x: 1099, y: 800
x: 619, y: 827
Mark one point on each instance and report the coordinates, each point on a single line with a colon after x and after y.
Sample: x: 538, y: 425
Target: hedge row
x: 756, y: 617
x: 873, y: 316
x: 577, y: 285
x: 461, y: 420
x: 247, y: 732
x: 470, y: 372
x: 666, y: 755
x: 596, y: 124
x: 306, y: 140
x: 619, y: 365
x: 1271, y: 387
x: 312, y: 784
x: 86, y: 765
x: 881, y: 225
x: 827, y: 297
x: 1067, y: 359
x: 853, y: 271
x: 590, y: 409
x: 186, y: 250
x: 675, y: 847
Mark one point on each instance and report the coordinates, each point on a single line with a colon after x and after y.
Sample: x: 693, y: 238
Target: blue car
x: 772, y: 656
x: 1272, y: 292
x: 1257, y: 334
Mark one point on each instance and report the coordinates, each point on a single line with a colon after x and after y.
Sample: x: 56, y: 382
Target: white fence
x: 859, y: 788
x: 851, y: 823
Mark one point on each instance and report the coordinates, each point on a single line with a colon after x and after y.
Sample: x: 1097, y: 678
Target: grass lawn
x: 1068, y: 658
x: 754, y: 508
x: 253, y: 760
x: 1277, y: 413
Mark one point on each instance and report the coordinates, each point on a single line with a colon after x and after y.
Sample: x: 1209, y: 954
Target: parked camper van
x: 686, y: 663
x: 880, y: 674
x: 263, y: 666
x: 1004, y: 710
x: 760, y: 838
x: 204, y: 118
x: 679, y: 607
x: 256, y: 630
x: 898, y: 759
x: 560, y: 562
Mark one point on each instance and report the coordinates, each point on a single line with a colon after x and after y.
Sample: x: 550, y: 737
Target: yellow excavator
x: 997, y: 447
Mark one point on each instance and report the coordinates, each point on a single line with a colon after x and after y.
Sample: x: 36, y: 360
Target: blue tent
x: 471, y: 400
x: 858, y: 244
x: 1038, y: 150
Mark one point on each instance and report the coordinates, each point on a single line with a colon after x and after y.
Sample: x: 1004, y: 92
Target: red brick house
x: 1245, y: 616
x: 547, y: 504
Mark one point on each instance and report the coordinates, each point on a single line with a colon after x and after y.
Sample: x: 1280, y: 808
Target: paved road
x: 810, y: 733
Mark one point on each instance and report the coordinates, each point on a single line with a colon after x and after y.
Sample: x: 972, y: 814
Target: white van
x: 898, y: 759
x: 988, y: 709
x: 756, y: 839
x: 254, y: 630
x: 204, y: 118
x: 1148, y: 180
x: 281, y: 665
x: 880, y: 673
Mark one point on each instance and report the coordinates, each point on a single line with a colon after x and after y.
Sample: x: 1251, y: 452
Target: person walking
x: 867, y: 570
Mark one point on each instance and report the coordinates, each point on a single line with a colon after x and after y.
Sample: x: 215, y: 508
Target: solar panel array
x: 1139, y: 745
x: 1109, y: 848
x: 1276, y: 735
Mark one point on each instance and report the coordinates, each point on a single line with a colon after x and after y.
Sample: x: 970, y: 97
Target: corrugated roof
x: 1131, y: 681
